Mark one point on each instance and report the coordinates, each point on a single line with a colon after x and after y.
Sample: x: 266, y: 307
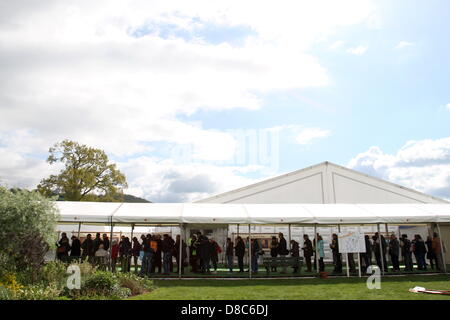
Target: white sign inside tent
x: 351, y: 241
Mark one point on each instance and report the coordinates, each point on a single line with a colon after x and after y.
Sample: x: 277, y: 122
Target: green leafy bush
x: 53, y: 272
x: 100, y: 283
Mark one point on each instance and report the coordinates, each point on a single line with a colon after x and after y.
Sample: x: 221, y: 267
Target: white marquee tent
x: 209, y: 213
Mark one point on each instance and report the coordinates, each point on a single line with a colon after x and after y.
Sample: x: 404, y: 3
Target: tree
x: 28, y: 222
x: 87, y: 174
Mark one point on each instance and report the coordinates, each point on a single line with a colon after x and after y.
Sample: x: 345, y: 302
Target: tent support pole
x: 180, y: 251
x: 359, y: 256
x: 289, y: 236
x: 79, y: 229
x: 317, y: 247
x: 442, y: 248
x: 249, y: 252
x: 132, y: 231
x: 381, y: 249
x: 238, y: 229
x: 110, y: 246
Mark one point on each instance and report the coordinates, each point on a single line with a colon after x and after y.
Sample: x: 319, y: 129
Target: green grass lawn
x: 301, y: 289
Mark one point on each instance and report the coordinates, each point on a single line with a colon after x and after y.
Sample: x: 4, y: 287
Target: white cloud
x: 359, y: 50
x: 422, y: 165
x: 447, y: 106
x: 73, y: 70
x: 162, y: 180
x: 337, y: 44
x: 403, y: 44
x: 308, y: 134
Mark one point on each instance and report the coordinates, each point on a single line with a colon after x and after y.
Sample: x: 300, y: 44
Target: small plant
x: 137, y: 285
x: 38, y: 292
x: 5, y: 293
x: 10, y: 282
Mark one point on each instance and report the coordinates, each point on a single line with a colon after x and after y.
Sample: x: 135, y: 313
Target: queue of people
x: 156, y: 253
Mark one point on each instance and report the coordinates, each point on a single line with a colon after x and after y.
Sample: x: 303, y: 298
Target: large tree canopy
x: 87, y: 174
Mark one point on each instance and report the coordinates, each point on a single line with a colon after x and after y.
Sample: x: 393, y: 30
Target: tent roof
x: 210, y: 213
x: 325, y: 182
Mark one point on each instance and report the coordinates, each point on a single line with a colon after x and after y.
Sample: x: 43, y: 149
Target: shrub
x: 38, y: 292
x: 53, y: 272
x: 100, y: 283
x: 27, y: 230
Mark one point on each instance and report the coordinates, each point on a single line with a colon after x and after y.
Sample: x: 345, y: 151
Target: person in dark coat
x: 88, y: 249
x: 337, y: 257
x: 420, y: 251
x: 282, y: 249
x: 193, y: 253
x: 307, y: 252
x: 62, y: 251
x: 148, y: 252
x: 239, y: 250
x: 75, y: 249
x: 215, y: 250
x: 229, y: 254
x: 366, y: 257
x: 97, y: 242
x: 380, y: 254
x: 274, y: 251
x: 135, y: 252
x: 255, y: 252
x: 183, y: 254
x: 106, y: 241
x: 431, y: 256
x: 125, y: 254
x: 405, y: 245
x: 394, y: 247
x: 167, y: 248
x: 205, y: 254
x: 295, y: 252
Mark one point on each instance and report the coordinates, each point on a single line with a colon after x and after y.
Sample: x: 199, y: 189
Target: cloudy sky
x: 192, y: 98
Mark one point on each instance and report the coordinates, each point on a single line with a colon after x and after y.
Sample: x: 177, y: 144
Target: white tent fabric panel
x: 79, y: 211
x: 149, y: 212
x: 340, y: 213
x: 278, y: 213
x: 212, y: 213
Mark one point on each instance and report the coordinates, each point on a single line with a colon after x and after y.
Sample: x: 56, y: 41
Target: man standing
x: 193, y: 253
x: 105, y: 242
x: 239, y: 250
x: 394, y: 247
x: 229, y: 254
x: 180, y: 264
x: 405, y: 246
x: 146, y: 266
x: 75, y: 251
x: 167, y: 247
x: 88, y: 249
x: 97, y: 242
x: 282, y: 249
x: 307, y: 252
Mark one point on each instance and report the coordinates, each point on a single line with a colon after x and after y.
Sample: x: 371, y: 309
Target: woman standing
x: 321, y: 251
x: 62, y: 252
